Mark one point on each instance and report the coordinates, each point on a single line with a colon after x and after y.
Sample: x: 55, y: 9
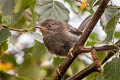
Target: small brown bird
x: 59, y: 37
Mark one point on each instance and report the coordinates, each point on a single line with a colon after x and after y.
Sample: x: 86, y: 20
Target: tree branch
x: 91, y: 68
x: 18, y: 30
x: 100, y: 48
x: 70, y: 58
x: 13, y: 29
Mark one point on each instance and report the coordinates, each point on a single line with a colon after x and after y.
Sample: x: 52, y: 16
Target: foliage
x: 20, y: 17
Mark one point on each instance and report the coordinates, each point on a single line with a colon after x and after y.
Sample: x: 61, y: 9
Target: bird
x: 59, y: 37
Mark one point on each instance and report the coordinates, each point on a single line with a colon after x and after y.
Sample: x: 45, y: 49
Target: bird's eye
x: 49, y: 26
x: 52, y: 24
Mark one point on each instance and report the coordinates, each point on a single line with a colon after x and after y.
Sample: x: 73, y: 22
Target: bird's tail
x: 85, y: 23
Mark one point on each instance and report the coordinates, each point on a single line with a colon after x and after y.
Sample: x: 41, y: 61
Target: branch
x: 13, y: 29
x: 19, y: 30
x: 91, y: 68
x: 70, y: 58
x: 100, y: 48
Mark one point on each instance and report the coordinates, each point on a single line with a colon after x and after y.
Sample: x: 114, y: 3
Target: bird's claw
x: 58, y: 70
x: 70, y: 52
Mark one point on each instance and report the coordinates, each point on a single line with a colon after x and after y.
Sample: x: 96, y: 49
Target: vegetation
x: 23, y: 55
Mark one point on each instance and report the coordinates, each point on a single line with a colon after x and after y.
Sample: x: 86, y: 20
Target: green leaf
x: 75, y: 66
x: 6, y: 20
x: 112, y: 70
x: 57, y: 61
x: 7, y: 7
x: 34, y: 14
x: 38, y: 51
x: 100, y: 77
x: 30, y: 68
x: 110, y: 27
x: 101, y: 55
x: 91, y: 2
x: 21, y: 5
x: 97, y: 3
x: 22, y: 23
x: 92, y: 39
x: 9, y: 58
x: 117, y: 34
x: 4, y: 34
x: 107, y: 16
x: 6, y: 76
x: 92, y: 76
x: 3, y: 47
x: 50, y: 9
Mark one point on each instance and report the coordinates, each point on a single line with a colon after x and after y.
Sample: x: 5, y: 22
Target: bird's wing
x: 75, y: 31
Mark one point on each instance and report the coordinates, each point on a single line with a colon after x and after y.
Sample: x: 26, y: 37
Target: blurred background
x: 23, y: 55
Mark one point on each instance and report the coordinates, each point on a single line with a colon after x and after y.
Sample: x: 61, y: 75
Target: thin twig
x: 19, y: 30
x: 13, y: 29
x: 78, y: 1
x: 112, y: 6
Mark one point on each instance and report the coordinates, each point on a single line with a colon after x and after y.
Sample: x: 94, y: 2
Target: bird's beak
x: 43, y: 28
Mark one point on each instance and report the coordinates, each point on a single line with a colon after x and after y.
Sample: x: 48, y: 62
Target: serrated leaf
x: 4, y: 34
x: 107, y: 16
x: 110, y: 28
x: 47, y: 9
x: 112, y: 70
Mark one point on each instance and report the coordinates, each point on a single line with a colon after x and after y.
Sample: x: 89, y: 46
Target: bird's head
x: 50, y: 26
